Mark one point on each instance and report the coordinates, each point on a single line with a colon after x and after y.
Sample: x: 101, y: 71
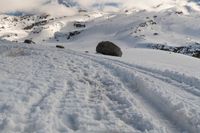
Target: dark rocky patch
x: 179, y: 12
x: 151, y: 22
x: 40, y: 23
x: 15, y: 20
x: 66, y: 35
x: 197, y: 54
x: 79, y: 25
x: 145, y: 24
x: 44, y: 16
x: 71, y: 34
x: 191, y: 50
x: 82, y: 10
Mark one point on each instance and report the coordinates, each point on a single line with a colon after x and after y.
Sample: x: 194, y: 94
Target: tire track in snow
x: 182, y: 82
x: 94, y: 114
x: 123, y: 110
x: 137, y: 121
x: 97, y: 95
x: 119, y: 103
x: 24, y: 85
x: 116, y: 102
x: 46, y: 111
x: 42, y: 107
x: 116, y: 96
x: 189, y: 84
x: 169, y: 114
x: 43, y: 110
x: 173, y: 115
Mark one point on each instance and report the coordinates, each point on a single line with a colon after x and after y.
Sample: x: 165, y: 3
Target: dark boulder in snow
x: 108, y: 48
x: 60, y: 46
x: 29, y: 41
x: 155, y: 34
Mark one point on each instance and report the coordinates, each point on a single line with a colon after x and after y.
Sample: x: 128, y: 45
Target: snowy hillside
x: 169, y: 30
x: 153, y: 88
x: 44, y: 89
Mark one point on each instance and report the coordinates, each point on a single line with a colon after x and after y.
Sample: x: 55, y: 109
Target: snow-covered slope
x: 152, y: 88
x: 48, y: 90
x: 169, y: 30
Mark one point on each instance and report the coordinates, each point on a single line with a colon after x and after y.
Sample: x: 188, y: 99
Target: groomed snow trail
x: 48, y: 90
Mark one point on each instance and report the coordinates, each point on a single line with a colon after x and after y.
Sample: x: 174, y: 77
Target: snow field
x: 44, y: 89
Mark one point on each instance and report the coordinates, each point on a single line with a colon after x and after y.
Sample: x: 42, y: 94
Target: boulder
x: 155, y: 34
x: 60, y: 46
x: 29, y: 41
x: 108, y: 48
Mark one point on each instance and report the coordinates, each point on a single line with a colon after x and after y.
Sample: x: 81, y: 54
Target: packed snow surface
x: 49, y: 90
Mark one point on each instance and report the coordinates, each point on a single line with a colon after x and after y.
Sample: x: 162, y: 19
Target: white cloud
x: 56, y: 9
x: 13, y: 5
x: 36, y: 6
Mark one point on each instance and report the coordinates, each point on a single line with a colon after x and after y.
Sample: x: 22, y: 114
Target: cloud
x: 35, y: 6
x: 13, y: 5
x: 54, y: 8
x: 150, y: 5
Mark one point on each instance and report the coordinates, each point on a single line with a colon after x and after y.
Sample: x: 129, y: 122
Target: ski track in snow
x: 65, y: 91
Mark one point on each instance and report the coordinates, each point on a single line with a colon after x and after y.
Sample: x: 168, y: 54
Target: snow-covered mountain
x: 153, y: 88
x: 187, y: 5
x: 144, y: 28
